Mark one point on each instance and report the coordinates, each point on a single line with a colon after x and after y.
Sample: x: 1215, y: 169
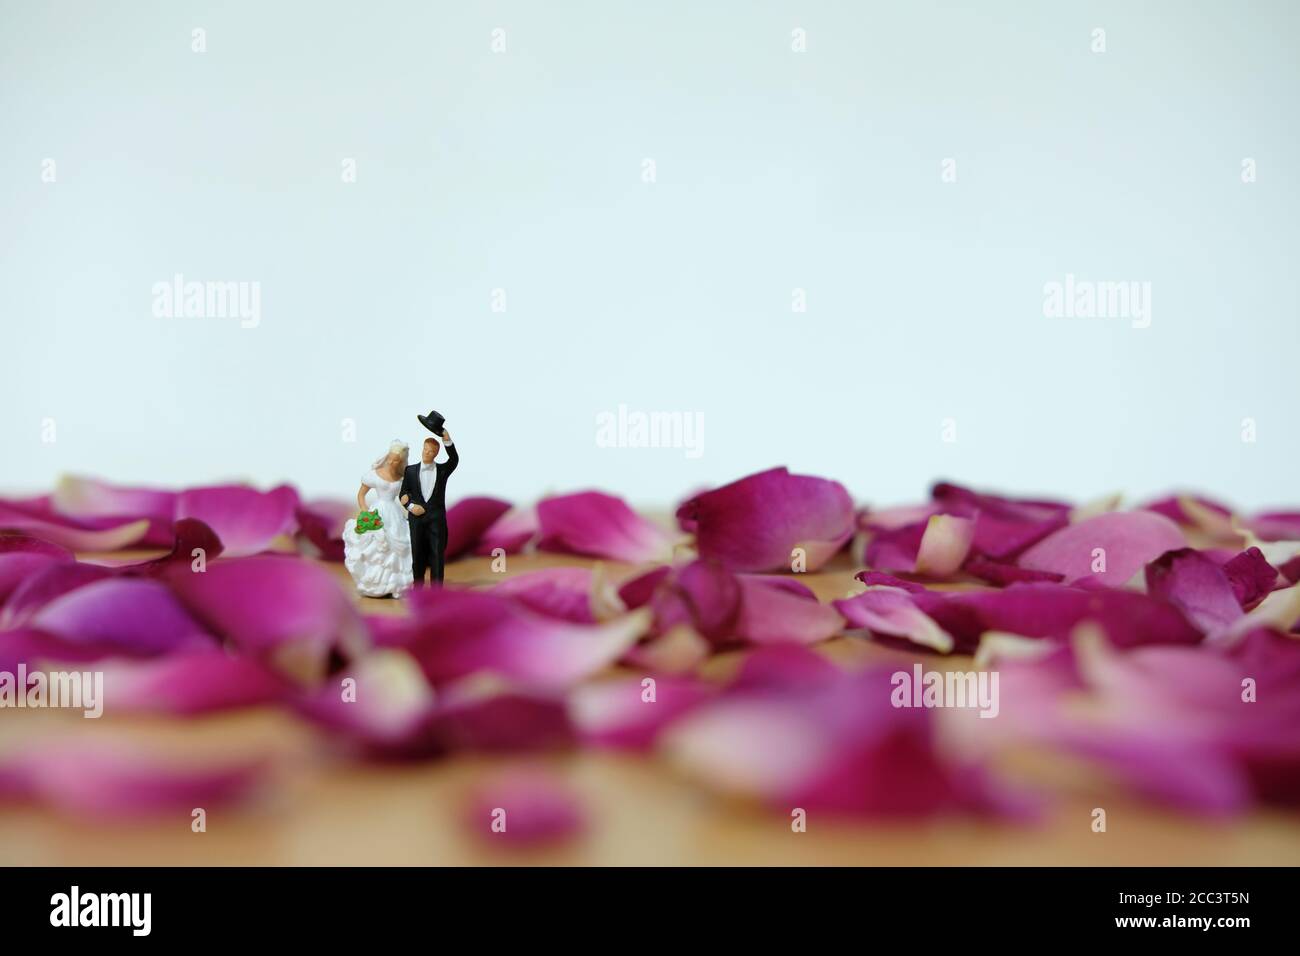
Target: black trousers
x: 428, y: 547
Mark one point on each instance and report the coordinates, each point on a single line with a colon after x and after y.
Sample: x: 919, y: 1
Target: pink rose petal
x: 246, y: 520
x: 524, y: 808
x: 454, y: 634
x: 87, y: 779
x: 288, y: 613
x: 138, y: 616
x: 756, y: 523
x: 468, y: 520
x: 320, y: 526
x: 601, y: 526
x: 944, y: 545
x: 1196, y: 586
x: 1125, y: 540
x: 511, y: 533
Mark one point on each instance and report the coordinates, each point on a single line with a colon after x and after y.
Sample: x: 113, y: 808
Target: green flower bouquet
x: 368, y: 521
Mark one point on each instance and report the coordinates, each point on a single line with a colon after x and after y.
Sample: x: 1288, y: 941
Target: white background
x: 776, y: 170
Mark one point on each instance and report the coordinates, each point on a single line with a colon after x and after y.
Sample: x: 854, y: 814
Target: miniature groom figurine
x: 424, y: 492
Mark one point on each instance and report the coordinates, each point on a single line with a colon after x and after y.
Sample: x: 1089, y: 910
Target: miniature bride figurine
x: 377, y: 543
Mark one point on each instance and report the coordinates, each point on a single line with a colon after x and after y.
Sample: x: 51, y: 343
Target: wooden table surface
x: 323, y: 809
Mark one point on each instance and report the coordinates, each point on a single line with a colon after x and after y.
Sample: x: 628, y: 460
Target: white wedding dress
x: 380, y: 560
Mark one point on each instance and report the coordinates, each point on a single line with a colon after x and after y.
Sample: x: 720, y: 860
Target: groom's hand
x: 417, y: 510
x: 445, y: 437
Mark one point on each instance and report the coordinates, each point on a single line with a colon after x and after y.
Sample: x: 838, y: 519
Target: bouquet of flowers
x: 368, y: 521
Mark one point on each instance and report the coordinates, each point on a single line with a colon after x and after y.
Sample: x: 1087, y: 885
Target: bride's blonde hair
x: 398, y: 447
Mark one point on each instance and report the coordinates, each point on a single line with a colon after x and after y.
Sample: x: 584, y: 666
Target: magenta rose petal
x: 1251, y: 577
x: 1124, y: 540
x: 1003, y: 526
x: 1002, y: 574
x: 468, y: 519
x: 246, y: 520
x: 1129, y: 618
x: 454, y: 634
x: 895, y: 549
x: 320, y: 526
x: 1196, y: 586
x: 500, y: 719
x: 598, y: 525
x: 139, y: 616
x: 116, y: 782
x: 638, y: 590
x: 190, y: 683
x: 703, y: 595
x: 564, y: 593
x: 510, y: 533
x: 891, y: 612
x: 771, y: 613
x: 47, y: 583
x: 22, y: 556
x: 756, y: 523
x: 524, y: 808
x: 288, y: 613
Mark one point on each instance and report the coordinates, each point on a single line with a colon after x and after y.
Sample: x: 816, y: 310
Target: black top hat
x: 432, y: 421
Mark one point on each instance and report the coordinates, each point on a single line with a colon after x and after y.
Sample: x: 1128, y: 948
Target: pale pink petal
x: 1109, y: 548
x: 944, y: 546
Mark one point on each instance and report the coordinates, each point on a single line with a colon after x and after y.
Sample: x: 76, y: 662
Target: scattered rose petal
x: 467, y: 520
x: 524, y: 808
x: 1125, y: 540
x: 510, y: 533
x: 288, y: 613
x: 454, y: 634
x: 756, y: 523
x: 320, y: 526
x: 944, y: 545
x: 1196, y: 586
x: 246, y: 520
x: 1251, y: 577
x: 191, y: 682
x: 138, y: 616
x: 601, y: 526
x: 91, y: 780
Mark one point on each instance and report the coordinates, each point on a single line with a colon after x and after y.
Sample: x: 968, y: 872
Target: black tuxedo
x: 429, y: 530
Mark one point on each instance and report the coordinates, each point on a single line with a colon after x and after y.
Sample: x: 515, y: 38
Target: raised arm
x: 453, y: 456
